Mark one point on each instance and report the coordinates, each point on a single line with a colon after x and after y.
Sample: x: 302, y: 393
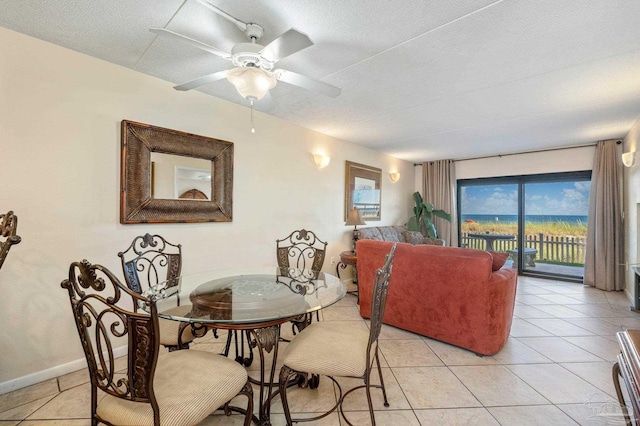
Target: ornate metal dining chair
x: 330, y: 349
x: 179, y: 388
x: 151, y: 260
x: 301, y: 250
x: 8, y: 229
x: 300, y: 257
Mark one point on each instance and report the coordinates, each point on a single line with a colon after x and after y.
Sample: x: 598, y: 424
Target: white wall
x: 564, y: 160
x: 632, y: 213
x: 60, y: 114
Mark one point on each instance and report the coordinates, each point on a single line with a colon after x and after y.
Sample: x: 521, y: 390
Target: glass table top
x: 246, y: 295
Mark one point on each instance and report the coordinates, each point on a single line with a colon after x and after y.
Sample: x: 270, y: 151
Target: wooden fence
x: 550, y: 248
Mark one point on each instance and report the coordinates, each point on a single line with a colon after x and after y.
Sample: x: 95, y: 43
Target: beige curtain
x: 439, y: 188
x: 604, y: 255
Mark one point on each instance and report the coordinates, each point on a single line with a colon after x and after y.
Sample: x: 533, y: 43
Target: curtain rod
x: 525, y: 152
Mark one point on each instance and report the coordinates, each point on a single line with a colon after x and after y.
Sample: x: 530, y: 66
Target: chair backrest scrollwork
x: 151, y: 260
x: 302, y: 250
x: 98, y: 303
x: 8, y: 237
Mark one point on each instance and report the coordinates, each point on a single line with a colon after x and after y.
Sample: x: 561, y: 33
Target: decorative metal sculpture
x: 8, y: 229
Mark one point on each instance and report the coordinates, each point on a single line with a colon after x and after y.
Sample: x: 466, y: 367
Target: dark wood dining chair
x: 330, y: 349
x: 8, y: 237
x: 179, y: 388
x: 151, y: 260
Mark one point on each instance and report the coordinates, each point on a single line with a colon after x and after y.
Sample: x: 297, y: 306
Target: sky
x: 556, y: 198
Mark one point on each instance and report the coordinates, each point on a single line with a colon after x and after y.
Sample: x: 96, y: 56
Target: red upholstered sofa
x: 446, y: 293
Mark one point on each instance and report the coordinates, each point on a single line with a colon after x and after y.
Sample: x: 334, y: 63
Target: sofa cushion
x: 370, y: 234
x: 392, y: 233
x: 499, y: 260
x: 397, y: 234
x: 413, y: 237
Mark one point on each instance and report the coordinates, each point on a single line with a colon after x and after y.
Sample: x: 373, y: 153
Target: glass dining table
x: 252, y: 301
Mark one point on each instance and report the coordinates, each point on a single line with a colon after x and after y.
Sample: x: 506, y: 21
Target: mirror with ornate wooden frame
x: 137, y: 204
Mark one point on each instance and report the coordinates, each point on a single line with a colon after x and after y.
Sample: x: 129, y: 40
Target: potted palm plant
x: 422, y: 217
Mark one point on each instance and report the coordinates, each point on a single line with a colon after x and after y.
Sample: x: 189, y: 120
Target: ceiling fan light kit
x: 251, y: 82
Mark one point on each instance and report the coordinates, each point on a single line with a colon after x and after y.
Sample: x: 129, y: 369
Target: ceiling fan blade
x: 307, y: 83
x: 210, y: 78
x: 215, y: 9
x: 207, y: 48
x: 287, y: 44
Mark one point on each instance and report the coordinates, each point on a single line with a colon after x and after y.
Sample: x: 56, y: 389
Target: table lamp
x: 355, y: 220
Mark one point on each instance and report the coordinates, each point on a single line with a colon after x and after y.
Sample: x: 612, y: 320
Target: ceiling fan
x: 253, y: 74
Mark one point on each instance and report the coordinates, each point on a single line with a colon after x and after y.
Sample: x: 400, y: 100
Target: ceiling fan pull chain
x: 253, y: 129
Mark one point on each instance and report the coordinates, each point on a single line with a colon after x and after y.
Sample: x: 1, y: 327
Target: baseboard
x: 630, y: 297
x: 51, y: 373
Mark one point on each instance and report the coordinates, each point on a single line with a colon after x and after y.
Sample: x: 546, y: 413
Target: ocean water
x: 512, y: 218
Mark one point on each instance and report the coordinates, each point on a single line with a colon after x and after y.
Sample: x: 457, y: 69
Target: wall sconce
x: 395, y: 176
x: 321, y: 160
x: 629, y: 158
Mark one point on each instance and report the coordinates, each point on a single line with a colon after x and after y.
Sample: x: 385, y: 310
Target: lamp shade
x: 354, y: 218
x: 251, y: 82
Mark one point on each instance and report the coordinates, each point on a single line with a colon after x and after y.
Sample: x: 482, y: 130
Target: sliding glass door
x: 555, y: 226
x: 540, y: 220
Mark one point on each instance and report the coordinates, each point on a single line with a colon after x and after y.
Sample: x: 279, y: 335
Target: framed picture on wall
x: 363, y: 191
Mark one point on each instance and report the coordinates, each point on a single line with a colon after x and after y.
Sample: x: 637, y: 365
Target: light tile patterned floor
x: 554, y: 370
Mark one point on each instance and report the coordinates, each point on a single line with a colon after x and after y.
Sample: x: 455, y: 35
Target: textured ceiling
x: 421, y: 80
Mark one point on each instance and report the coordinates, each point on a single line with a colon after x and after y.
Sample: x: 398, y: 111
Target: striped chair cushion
x: 328, y: 349
x: 169, y: 329
x: 189, y: 385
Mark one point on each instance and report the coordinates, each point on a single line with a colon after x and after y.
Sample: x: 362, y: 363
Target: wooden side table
x: 349, y: 258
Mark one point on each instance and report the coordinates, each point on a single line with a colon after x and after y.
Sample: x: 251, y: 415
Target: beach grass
x: 555, y: 229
